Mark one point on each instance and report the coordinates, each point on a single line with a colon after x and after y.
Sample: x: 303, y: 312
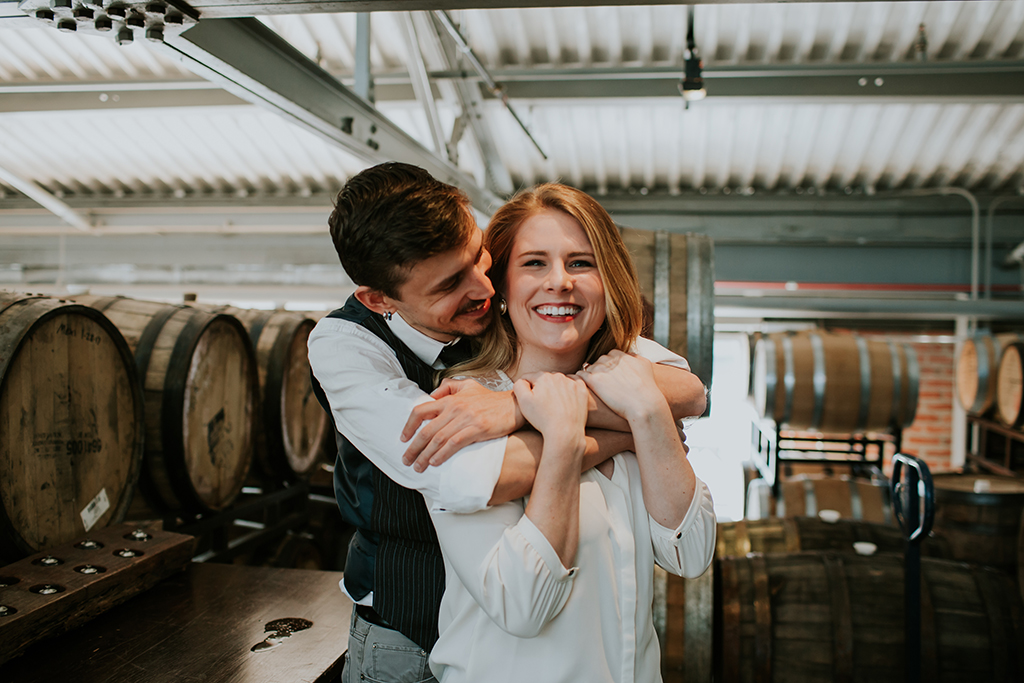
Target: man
x: 410, y: 244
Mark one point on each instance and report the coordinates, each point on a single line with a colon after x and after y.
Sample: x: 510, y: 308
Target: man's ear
x: 374, y: 299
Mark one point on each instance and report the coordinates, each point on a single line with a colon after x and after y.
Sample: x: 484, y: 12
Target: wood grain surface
x: 201, y: 625
x: 51, y: 593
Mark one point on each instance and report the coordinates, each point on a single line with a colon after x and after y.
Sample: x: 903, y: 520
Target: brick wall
x: 930, y: 436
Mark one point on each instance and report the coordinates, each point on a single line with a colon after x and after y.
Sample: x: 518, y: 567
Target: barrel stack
x: 71, y: 416
x: 292, y: 430
x: 835, y: 383
x: 198, y: 371
x: 979, y: 369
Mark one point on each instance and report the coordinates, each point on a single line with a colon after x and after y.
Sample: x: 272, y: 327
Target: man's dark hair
x: 390, y: 217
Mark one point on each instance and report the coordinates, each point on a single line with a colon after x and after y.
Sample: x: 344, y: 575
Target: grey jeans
x: 381, y: 655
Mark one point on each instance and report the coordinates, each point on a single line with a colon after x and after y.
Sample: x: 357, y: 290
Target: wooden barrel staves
x: 1010, y: 391
x: 808, y: 495
x: 977, y: 370
x: 293, y: 428
x: 683, y: 610
x: 979, y: 515
x: 835, y: 383
x: 823, y: 617
x: 198, y: 371
x: 677, y: 277
x: 71, y: 423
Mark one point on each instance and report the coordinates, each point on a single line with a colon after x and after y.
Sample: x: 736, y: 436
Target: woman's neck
x: 542, y: 360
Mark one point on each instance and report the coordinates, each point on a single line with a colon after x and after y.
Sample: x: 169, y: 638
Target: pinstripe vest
x: 394, y: 552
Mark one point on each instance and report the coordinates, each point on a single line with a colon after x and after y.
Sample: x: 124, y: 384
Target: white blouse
x: 512, y: 612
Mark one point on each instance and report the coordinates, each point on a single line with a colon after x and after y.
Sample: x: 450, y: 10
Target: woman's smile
x: 555, y: 293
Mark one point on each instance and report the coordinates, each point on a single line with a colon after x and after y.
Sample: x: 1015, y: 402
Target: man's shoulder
x: 330, y: 332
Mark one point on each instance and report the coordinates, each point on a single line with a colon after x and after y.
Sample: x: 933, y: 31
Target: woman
x: 559, y: 587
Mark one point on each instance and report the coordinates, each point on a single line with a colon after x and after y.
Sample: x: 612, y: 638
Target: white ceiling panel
x: 604, y: 144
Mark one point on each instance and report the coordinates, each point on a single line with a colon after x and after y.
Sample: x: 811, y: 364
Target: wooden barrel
x: 807, y: 495
x: 979, y: 515
x: 1010, y: 386
x: 677, y: 276
x: 835, y: 383
x: 683, y: 616
x: 293, y: 427
x: 198, y: 371
x: 794, y: 534
x: 71, y: 423
x: 824, y: 617
x: 976, y: 370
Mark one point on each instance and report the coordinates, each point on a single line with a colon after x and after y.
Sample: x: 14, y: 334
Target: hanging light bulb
x: 691, y: 87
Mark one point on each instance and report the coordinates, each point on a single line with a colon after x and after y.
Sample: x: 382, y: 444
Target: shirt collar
x: 426, y: 348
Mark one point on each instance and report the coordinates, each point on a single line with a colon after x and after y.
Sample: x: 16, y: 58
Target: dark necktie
x: 453, y: 354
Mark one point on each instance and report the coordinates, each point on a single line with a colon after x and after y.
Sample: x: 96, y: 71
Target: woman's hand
x: 555, y: 404
x: 625, y: 383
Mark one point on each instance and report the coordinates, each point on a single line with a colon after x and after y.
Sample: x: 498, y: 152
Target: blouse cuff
x: 540, y: 544
x: 689, y: 519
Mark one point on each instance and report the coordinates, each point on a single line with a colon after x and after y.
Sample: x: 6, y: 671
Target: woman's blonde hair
x: 623, y: 303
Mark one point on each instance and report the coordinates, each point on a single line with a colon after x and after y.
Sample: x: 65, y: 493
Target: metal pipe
x: 975, y: 225
x: 989, y: 220
x: 792, y: 306
x: 495, y: 87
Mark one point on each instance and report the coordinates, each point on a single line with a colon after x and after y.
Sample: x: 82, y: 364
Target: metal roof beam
x: 471, y: 100
x: 45, y: 199
x: 122, y: 99
x: 421, y: 82
x: 759, y: 219
x: 964, y: 81
x: 252, y: 62
x: 245, y: 8
x: 961, y: 82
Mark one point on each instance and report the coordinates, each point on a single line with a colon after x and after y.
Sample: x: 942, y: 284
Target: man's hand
x: 463, y: 413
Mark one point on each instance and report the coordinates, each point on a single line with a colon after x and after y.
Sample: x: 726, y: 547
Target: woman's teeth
x: 558, y: 311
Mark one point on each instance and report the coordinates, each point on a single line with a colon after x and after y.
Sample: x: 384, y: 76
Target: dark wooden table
x: 200, y: 625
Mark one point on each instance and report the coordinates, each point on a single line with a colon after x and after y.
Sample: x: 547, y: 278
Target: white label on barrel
x: 95, y: 509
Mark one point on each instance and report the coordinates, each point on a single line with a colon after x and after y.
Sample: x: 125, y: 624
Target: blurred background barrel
x: 199, y: 377
x: 977, y: 370
x: 979, y: 515
x: 1010, y: 386
x: 677, y: 280
x: 806, y: 495
x: 796, y: 534
x: 71, y: 423
x: 824, y: 617
x: 293, y: 429
x: 835, y: 383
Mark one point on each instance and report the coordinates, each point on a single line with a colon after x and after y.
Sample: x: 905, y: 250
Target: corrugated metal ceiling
x: 603, y: 143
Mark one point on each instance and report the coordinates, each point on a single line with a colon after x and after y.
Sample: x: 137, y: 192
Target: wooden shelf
x: 995, y: 447
x: 771, y: 447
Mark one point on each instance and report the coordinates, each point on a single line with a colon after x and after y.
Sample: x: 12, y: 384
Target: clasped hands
x: 464, y: 412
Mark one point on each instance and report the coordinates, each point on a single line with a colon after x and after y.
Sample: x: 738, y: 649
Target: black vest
x: 394, y: 552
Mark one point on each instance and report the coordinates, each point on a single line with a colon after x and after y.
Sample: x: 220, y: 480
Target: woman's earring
x: 389, y: 315
x: 502, y: 306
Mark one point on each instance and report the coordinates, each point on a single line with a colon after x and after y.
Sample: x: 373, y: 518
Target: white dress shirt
x: 512, y: 612
x: 371, y: 399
